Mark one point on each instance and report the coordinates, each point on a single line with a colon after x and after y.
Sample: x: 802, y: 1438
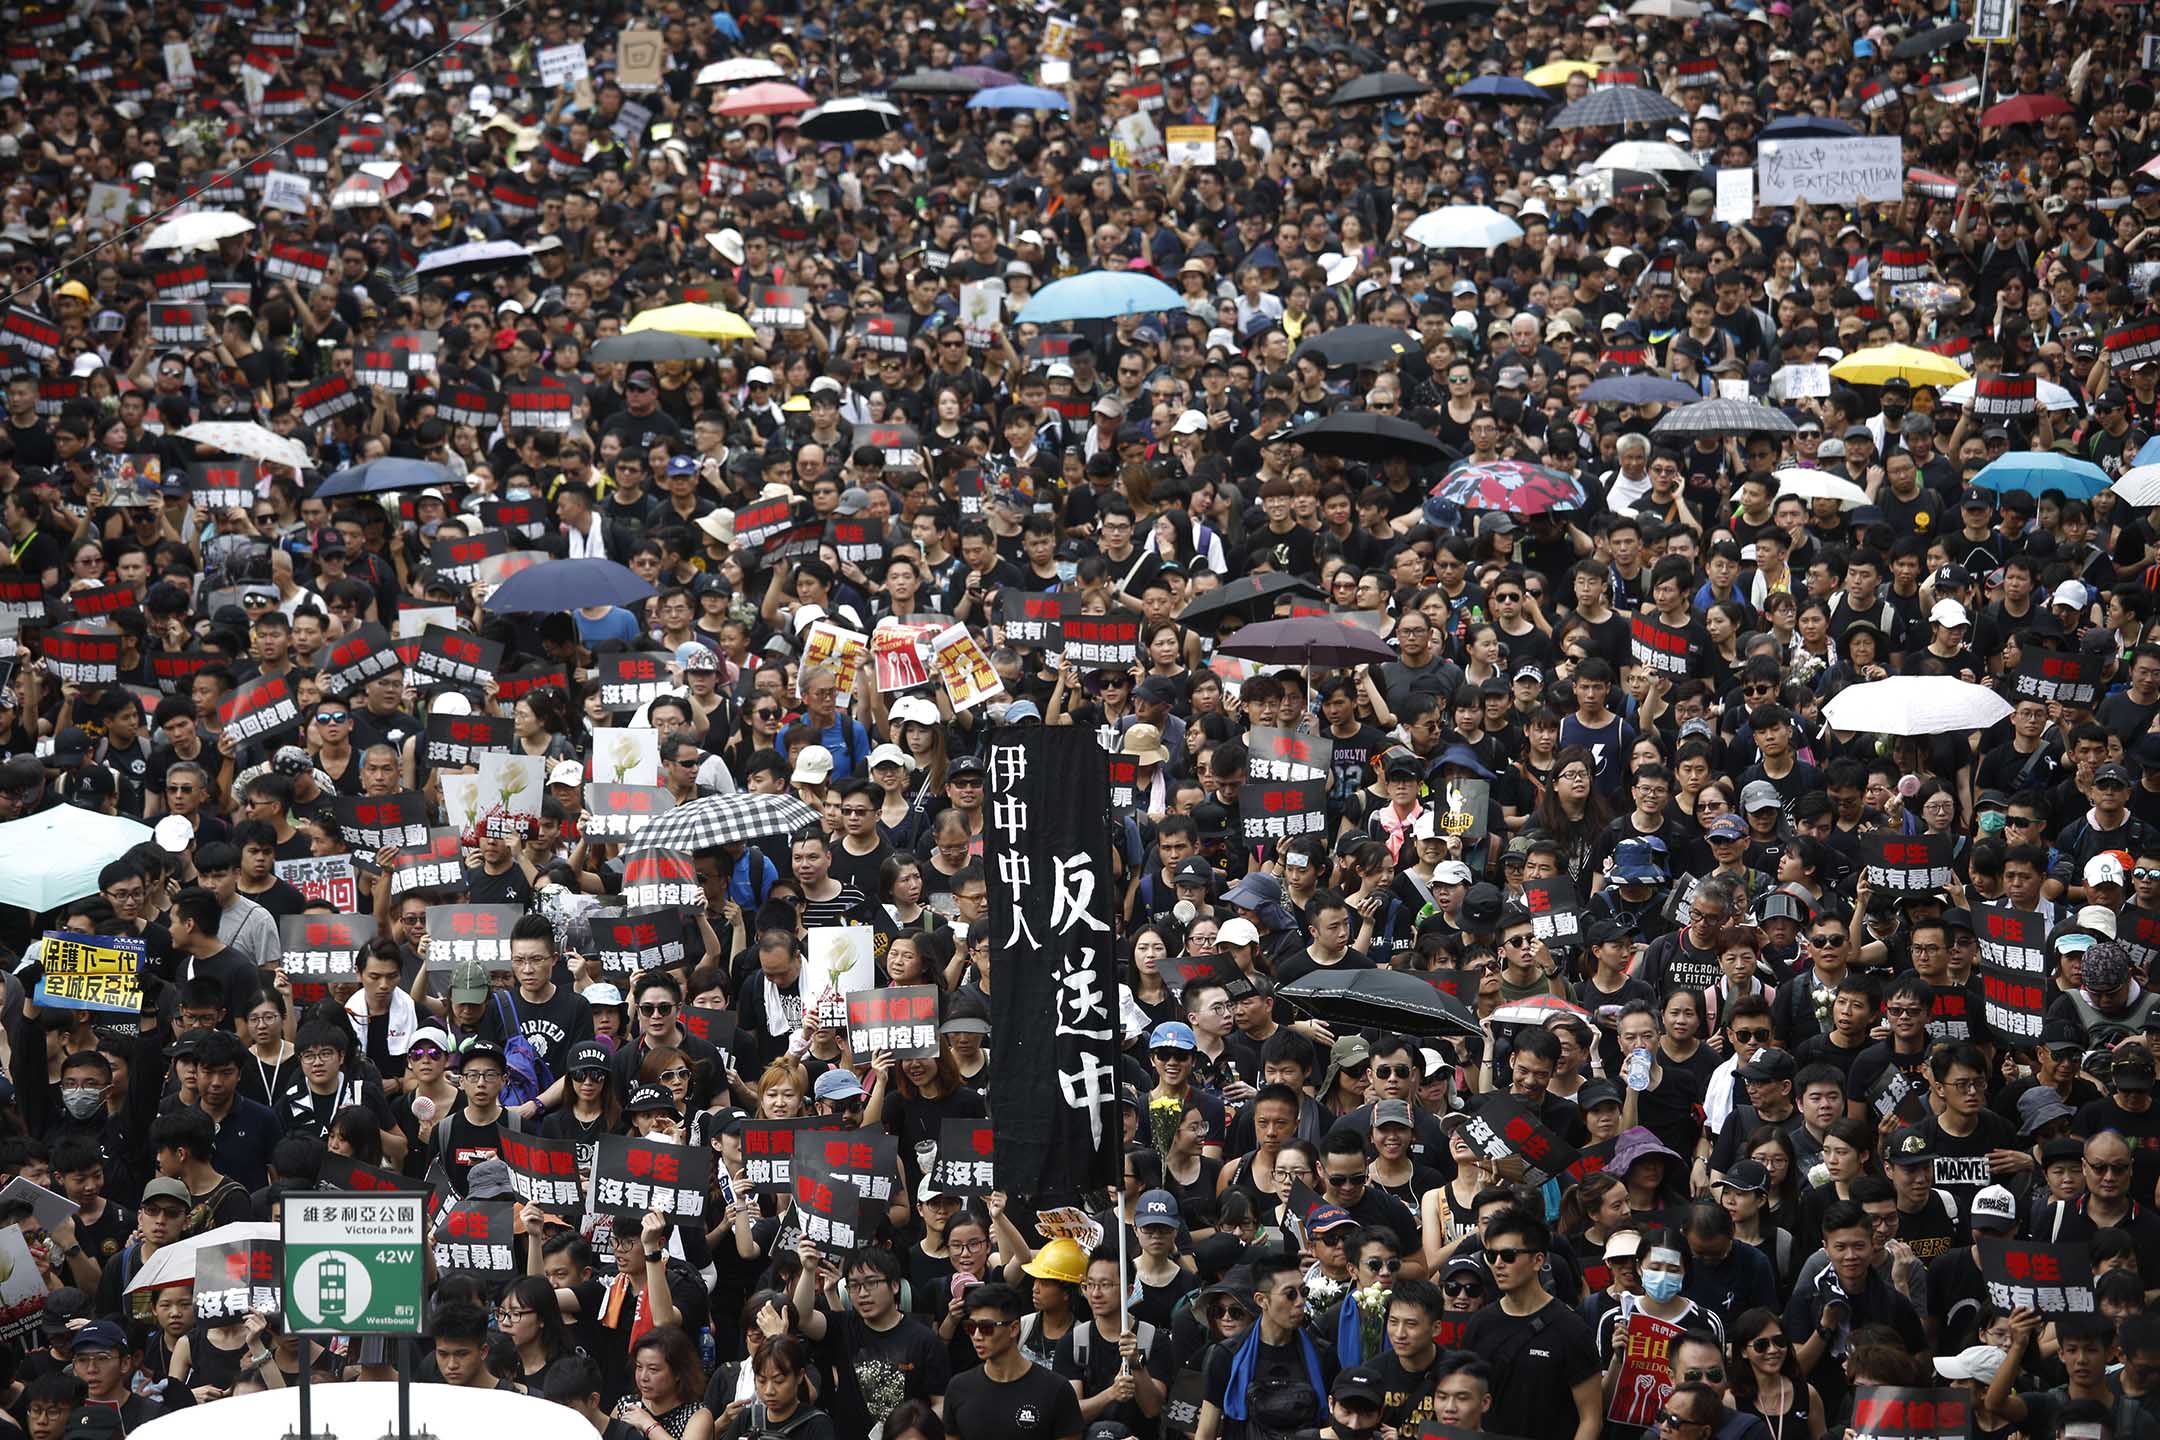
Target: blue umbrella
x: 378, y: 476
x: 1099, y: 295
x: 2149, y: 454
x: 2038, y: 471
x: 1805, y: 127
x: 1640, y: 390
x: 1017, y: 97
x: 569, y: 585
x: 1503, y: 87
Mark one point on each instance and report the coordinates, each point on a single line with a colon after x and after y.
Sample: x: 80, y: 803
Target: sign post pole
x: 355, y: 1264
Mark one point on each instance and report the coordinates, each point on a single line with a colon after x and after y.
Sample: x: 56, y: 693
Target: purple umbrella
x: 1308, y: 640
x: 986, y: 77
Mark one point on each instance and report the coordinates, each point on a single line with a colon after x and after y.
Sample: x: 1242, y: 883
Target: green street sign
x: 354, y: 1263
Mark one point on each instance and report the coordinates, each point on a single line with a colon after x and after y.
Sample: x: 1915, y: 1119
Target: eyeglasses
x: 1764, y: 1344
x: 1970, y: 1085
x: 985, y: 1328
x: 2145, y: 872
x: 1882, y: 1222
x: 2020, y: 821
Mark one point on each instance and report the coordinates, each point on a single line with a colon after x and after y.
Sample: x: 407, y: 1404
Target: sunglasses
x: 333, y: 717
x: 984, y: 1328
x: 661, y: 1008
x: 1508, y: 1255
x: 1461, y: 1288
x: 1764, y: 1344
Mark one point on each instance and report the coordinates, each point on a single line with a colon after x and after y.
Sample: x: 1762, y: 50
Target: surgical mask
x: 1991, y: 822
x: 1356, y: 1432
x: 83, y: 1101
x: 1661, y: 1285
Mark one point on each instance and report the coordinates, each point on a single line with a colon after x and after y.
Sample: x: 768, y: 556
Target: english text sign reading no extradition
x: 354, y: 1264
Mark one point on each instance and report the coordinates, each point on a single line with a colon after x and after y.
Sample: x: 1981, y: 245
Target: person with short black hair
x: 1008, y: 1394
x: 1546, y: 1376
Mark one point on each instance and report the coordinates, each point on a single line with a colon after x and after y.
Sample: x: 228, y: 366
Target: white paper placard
x: 1858, y: 168
x: 1735, y: 197
x: 562, y: 65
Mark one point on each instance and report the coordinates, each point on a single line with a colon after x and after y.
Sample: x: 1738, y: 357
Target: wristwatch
x: 655, y: 1256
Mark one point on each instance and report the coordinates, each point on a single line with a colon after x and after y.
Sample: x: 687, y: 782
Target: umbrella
x: 358, y: 193
x: 1725, y: 417
x: 1307, y: 640
x: 242, y: 437
x: 1881, y: 363
x: 2139, y: 486
x: 1915, y: 705
x: 1653, y: 155
x: 1459, y: 9
x: 706, y: 322
x: 1927, y: 42
x: 1558, y: 71
x: 1806, y: 127
x: 650, y: 345
x: 53, y: 857
x: 933, y: 82
x: 2047, y: 394
x: 1503, y: 88
x: 377, y: 477
x: 766, y: 97
x: 477, y: 258
x: 1820, y: 485
x: 2024, y: 109
x: 1932, y: 183
x: 1098, y: 295
x: 850, y: 119
x: 1463, y: 227
x: 742, y: 70
x: 2037, y: 471
x: 1511, y: 485
x: 1619, y: 105
x: 1253, y: 597
x: 198, y: 230
x: 986, y: 76
x: 1538, y: 1010
x: 720, y: 820
x: 1639, y: 390
x: 1387, y: 85
x: 1356, y: 435
x: 570, y: 585
x: 1392, y: 1000
x: 1018, y: 97
x: 2148, y: 453
x: 1359, y: 345
x: 1666, y: 10
x: 174, y: 1262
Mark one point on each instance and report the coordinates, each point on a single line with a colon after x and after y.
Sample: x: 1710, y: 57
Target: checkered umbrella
x: 1620, y: 105
x: 723, y: 819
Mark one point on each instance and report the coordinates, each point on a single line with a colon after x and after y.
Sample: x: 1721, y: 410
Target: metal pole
x: 404, y: 1387
x: 307, y: 1428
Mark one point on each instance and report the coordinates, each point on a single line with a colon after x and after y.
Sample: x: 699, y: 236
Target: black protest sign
x: 1463, y: 809
x: 2139, y: 930
x: 1289, y: 755
x: 89, y: 604
x: 625, y: 942
x: 324, y: 948
x: 1094, y: 642
x: 2055, y: 1279
x: 358, y: 658
x: 1904, y: 863
x: 222, y: 484
x: 515, y: 686
x: 2013, y: 971
x: 1555, y: 913
x: 964, y: 1152
x: 618, y: 812
x: 1034, y: 619
x: 184, y: 322
x: 858, y: 541
x: 2005, y: 397
x: 2071, y: 677
x: 2134, y: 344
x: 901, y: 444
x: 182, y: 280
x: 632, y: 1176
x: 456, y: 556
x: 755, y: 524
x: 902, y: 1019
x: 1278, y: 810
x: 456, y: 658
x: 343, y: 1172
x: 1658, y: 647
x: 237, y: 1279
x: 459, y: 933
x: 769, y: 1150
x: 463, y: 739
x: 800, y: 541
x: 383, y: 367
x: 327, y: 400
x: 785, y: 307
x: 528, y: 518
x: 543, y: 1172
x: 882, y: 334
x: 657, y: 878
x: 78, y: 655
x: 477, y: 1235
x: 1456, y: 984
x: 546, y: 406
x: 869, y: 1158
x: 1543, y: 1153
x: 478, y: 407
x: 630, y: 682
x: 437, y: 863
x: 1896, y: 1412
x: 826, y: 1201
x: 715, y: 1027
x: 260, y: 709
x: 305, y: 264
x: 369, y: 823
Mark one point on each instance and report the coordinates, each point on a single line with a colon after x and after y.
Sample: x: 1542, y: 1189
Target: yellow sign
x: 91, y: 972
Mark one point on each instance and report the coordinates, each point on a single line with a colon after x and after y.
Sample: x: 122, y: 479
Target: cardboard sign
x: 628, y: 941
x: 827, y: 1203
x: 963, y: 1165
x: 562, y: 66
x: 1190, y: 145
x: 370, y: 823
x: 1282, y: 755
x: 437, y: 863
x: 1904, y: 863
x: 966, y: 672
x: 769, y: 1150
x: 324, y: 948
x: 2073, y: 678
x: 1555, y: 913
x: 2014, y: 980
x: 82, y: 656
x: 327, y: 878
x: 1464, y: 809
x: 2055, y: 1279
x: 901, y: 1018
x: 1658, y: 647
x: 355, y: 659
x: 457, y: 658
x: 1885, y: 1412
x: 1278, y: 811
x: 543, y: 1172
x: 896, y: 654
x: 478, y: 1235
x: 656, y: 879
x: 48, y: 1207
x: 237, y: 1279
x: 2005, y: 397
x: 90, y: 972
x: 459, y: 933
x: 619, y: 812
x: 630, y: 682
x: 640, y: 59
x: 632, y: 1176
x: 462, y: 739
x: 1645, y: 1348
x: 1860, y: 168
x: 1095, y: 642
x: 262, y: 708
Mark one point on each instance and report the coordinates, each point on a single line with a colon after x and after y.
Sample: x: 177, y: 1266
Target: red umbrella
x: 2024, y: 109
x: 767, y: 97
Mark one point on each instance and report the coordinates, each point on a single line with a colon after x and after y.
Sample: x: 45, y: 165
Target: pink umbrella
x: 767, y: 97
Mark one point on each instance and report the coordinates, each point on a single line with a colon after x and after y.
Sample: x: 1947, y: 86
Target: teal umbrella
x: 1099, y: 295
x: 2038, y: 471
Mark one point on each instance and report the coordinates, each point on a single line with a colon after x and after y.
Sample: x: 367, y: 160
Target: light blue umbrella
x: 1017, y: 97
x: 53, y: 857
x: 1099, y: 295
x: 2149, y: 454
x: 1503, y: 87
x: 392, y: 472
x: 2036, y: 471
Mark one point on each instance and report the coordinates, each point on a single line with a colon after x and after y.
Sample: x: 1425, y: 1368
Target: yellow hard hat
x: 1060, y: 1260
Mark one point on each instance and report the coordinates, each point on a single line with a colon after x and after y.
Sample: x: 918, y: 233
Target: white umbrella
x: 241, y: 437
x: 1820, y: 485
x: 1653, y: 155
x: 2047, y: 393
x: 53, y: 857
x: 198, y: 230
x: 1464, y: 227
x: 1666, y: 9
x: 174, y: 1264
x: 1915, y: 705
x: 2140, y: 486
x: 740, y: 71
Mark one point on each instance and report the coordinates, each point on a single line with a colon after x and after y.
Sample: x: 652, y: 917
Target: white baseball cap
x: 759, y: 375
x: 813, y: 766
x: 1192, y: 422
x: 1949, y: 612
x: 567, y: 772
x: 1238, y: 931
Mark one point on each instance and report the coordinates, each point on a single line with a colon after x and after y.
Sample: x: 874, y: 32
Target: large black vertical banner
x: 1053, y: 994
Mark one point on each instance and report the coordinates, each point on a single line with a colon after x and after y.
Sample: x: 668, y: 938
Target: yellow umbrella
x: 1885, y: 362
x: 1558, y: 71
x: 706, y: 322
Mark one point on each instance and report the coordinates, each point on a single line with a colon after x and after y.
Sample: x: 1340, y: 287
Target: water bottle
x: 708, y: 1351
x: 1637, y: 1070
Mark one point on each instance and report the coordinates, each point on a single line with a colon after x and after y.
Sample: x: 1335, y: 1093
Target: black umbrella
x: 1634, y: 182
x: 1391, y: 1000
x: 1459, y: 9
x: 650, y: 345
x: 1928, y: 42
x: 932, y: 82
x: 1367, y: 89
x: 849, y: 119
x: 1359, y: 345
x: 1356, y: 435
x: 1252, y: 597
x: 1308, y: 640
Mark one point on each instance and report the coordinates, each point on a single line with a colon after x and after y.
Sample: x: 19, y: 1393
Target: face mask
x: 1356, y: 1432
x: 1991, y: 822
x: 83, y: 1102
x: 1661, y: 1285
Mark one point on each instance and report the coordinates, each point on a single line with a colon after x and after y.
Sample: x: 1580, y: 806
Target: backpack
x: 525, y: 1074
